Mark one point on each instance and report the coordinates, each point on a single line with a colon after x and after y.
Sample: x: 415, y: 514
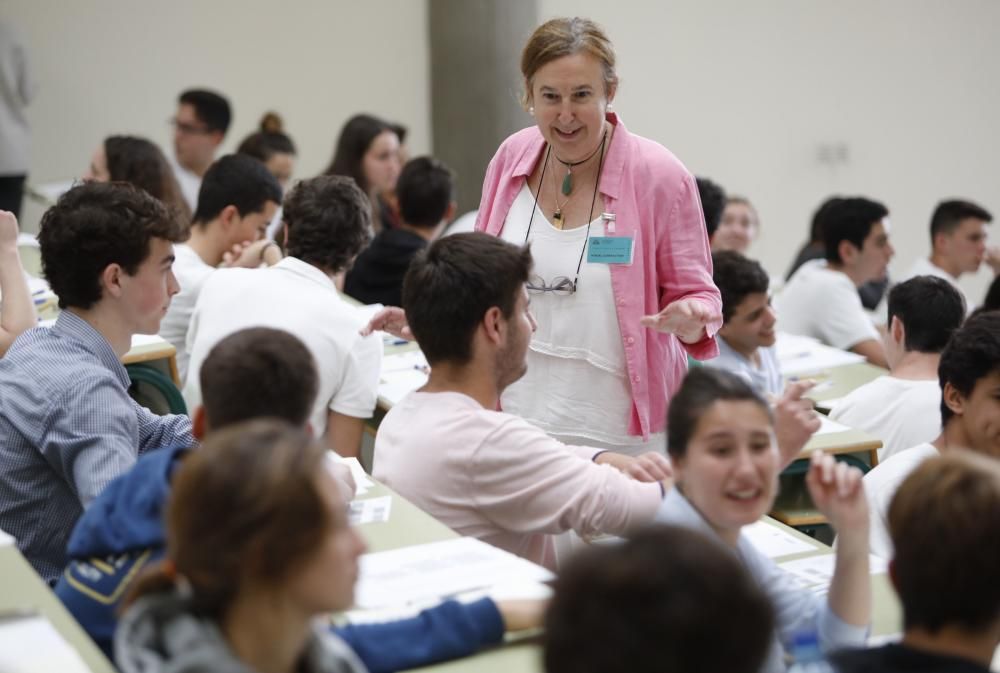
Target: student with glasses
x: 200, y: 125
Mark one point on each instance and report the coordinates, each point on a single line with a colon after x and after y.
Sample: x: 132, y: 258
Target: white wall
x: 746, y: 92
x: 116, y: 66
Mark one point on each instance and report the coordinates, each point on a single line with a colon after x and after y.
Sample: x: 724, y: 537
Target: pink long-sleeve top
x: 494, y: 476
x: 655, y: 200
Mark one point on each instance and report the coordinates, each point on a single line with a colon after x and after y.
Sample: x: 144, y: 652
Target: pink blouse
x: 655, y: 199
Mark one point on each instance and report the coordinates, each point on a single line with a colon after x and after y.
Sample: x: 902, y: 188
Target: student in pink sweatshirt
x: 485, y: 473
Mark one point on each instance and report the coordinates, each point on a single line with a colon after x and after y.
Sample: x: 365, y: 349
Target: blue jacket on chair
x: 122, y: 532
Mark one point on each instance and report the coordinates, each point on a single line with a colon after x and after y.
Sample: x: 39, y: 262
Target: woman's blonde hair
x: 564, y: 37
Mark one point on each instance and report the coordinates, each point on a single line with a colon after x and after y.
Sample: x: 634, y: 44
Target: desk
x: 408, y: 525
x: 22, y: 589
x: 837, y: 382
x: 849, y: 441
x: 154, y: 349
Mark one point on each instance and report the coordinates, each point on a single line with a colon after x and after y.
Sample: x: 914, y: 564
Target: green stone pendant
x: 567, y: 185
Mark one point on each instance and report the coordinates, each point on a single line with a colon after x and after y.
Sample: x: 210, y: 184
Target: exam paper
x: 774, y: 542
x: 361, y: 480
x: 32, y: 645
x: 146, y: 340
x: 437, y: 571
x: 801, y: 355
x: 6, y: 538
x: 371, y: 510
x: 815, y: 572
x: 828, y: 427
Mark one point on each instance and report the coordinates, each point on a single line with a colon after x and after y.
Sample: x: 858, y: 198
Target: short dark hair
x: 736, y: 277
x: 450, y: 286
x: 701, y: 388
x: 816, y: 228
x: 425, y: 189
x: 211, y: 108
x: 992, y: 300
x: 270, y: 139
x: 256, y: 373
x: 355, y: 138
x: 662, y: 601
x: 713, y: 202
x: 96, y: 224
x: 946, y: 534
x: 949, y: 214
x: 235, y: 180
x: 850, y: 220
x: 329, y: 221
x: 930, y: 310
x: 973, y: 353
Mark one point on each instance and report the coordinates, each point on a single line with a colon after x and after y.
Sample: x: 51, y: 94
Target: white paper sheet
x: 371, y: 510
x: 404, y: 362
x: 774, y: 542
x: 361, y: 480
x: 828, y: 427
x: 817, y: 571
x: 398, y: 384
x: 801, y: 355
x: 32, y: 645
x: 6, y: 539
x: 147, y: 340
x: 439, y: 570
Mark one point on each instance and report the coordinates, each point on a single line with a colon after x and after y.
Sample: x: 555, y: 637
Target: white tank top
x: 576, y: 387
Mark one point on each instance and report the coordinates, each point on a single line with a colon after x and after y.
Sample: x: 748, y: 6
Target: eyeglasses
x: 188, y: 129
x: 561, y: 285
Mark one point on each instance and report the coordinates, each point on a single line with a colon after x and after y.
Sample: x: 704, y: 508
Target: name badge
x: 610, y: 250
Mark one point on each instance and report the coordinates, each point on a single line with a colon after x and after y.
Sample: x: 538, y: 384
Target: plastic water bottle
x: 807, y: 657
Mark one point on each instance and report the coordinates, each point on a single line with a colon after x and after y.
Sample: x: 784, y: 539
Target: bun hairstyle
x: 230, y: 527
x: 270, y: 139
x: 271, y: 123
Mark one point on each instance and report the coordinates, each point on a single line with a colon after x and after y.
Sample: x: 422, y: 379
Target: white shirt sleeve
x: 358, y: 391
x: 843, y: 322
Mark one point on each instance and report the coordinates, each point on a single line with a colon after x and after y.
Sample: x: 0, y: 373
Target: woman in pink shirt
x: 622, y: 286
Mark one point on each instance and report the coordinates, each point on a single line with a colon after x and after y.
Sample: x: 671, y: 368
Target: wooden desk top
x: 22, y: 589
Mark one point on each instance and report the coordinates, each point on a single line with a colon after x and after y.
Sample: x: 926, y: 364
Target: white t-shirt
x: 824, y: 304
x: 189, y: 183
x: 299, y: 298
x: 191, y: 272
x: 900, y: 412
x: 576, y: 387
x: 880, y: 487
x: 924, y: 267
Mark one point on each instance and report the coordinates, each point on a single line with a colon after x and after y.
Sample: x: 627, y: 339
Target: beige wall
x: 748, y: 92
x: 745, y: 92
x: 116, y: 66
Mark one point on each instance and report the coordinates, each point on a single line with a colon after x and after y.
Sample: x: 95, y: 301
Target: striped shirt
x: 67, y: 428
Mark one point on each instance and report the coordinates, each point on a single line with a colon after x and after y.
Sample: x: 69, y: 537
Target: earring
x: 531, y: 111
x: 611, y: 107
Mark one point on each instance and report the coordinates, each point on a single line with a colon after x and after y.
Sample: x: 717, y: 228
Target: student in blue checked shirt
x: 67, y: 423
x: 251, y: 374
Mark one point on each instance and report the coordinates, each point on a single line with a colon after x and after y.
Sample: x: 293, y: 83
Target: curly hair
x: 141, y: 163
x: 96, y: 224
x: 329, y: 221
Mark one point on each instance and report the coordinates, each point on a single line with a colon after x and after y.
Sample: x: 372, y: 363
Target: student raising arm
x: 18, y: 310
x: 721, y: 443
